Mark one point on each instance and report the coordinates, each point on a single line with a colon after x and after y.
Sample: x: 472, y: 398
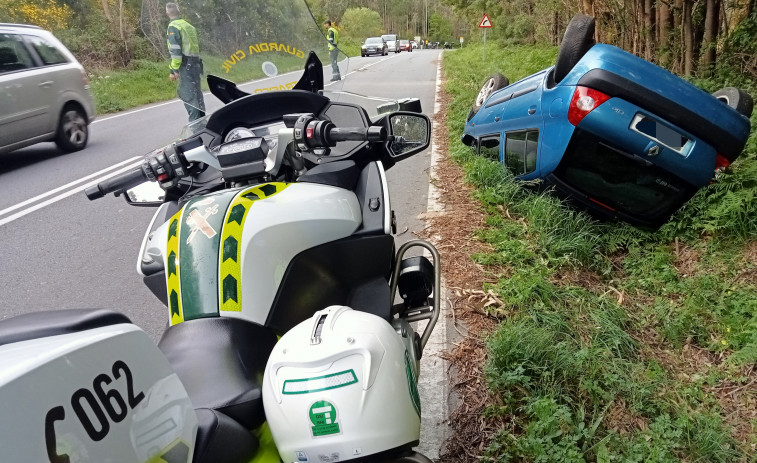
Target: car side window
x: 48, y: 53
x: 520, y: 151
x: 488, y: 146
x: 13, y: 54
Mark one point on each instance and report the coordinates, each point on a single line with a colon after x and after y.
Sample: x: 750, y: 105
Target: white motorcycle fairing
x: 251, y: 234
x: 96, y: 395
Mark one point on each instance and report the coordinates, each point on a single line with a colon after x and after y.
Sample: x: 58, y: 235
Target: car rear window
x: 619, y: 181
x: 48, y: 53
x: 373, y: 41
x: 13, y: 55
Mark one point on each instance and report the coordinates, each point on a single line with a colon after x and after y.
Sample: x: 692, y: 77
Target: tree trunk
x: 664, y: 28
x: 648, y: 30
x: 709, y: 42
x: 688, y: 38
x: 106, y: 10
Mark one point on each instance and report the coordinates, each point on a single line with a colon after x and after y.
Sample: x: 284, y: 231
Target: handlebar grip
x: 373, y: 133
x: 119, y: 182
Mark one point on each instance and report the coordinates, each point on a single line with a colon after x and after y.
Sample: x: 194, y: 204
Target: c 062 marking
x: 105, y: 404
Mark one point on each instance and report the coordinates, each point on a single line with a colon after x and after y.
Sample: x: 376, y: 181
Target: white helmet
x: 342, y: 386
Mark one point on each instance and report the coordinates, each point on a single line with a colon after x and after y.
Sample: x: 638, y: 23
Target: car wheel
x: 737, y: 99
x: 73, y: 132
x: 493, y: 82
x: 578, y: 39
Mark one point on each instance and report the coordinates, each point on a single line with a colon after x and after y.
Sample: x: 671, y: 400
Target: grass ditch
x: 613, y: 343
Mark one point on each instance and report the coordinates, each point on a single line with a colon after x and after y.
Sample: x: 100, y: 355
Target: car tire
x: 492, y: 83
x: 73, y: 130
x: 737, y: 99
x: 578, y: 39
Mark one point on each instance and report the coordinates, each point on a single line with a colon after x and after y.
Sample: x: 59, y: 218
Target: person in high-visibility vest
x: 186, y: 64
x: 332, y: 35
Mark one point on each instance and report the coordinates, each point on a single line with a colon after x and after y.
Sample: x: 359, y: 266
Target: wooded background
x: 689, y: 37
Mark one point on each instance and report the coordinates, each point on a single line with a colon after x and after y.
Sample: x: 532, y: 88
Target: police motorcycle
x: 295, y: 324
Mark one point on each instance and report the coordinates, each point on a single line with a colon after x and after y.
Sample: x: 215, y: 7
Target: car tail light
x: 585, y: 100
x: 721, y: 162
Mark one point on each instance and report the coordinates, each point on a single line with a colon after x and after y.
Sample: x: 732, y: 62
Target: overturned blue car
x: 617, y: 134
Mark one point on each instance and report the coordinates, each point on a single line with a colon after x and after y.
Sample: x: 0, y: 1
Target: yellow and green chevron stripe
x: 203, y: 267
x: 173, y: 282
x: 230, y: 266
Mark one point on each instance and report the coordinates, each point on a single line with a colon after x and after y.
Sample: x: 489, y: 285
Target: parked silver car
x: 44, y: 91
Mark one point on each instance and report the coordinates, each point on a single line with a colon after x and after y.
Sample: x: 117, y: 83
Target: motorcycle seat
x: 37, y: 325
x: 220, y: 362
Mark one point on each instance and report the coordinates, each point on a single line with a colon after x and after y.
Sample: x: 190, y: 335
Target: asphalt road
x: 59, y: 250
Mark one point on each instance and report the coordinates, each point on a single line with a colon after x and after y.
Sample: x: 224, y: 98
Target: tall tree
x: 709, y: 42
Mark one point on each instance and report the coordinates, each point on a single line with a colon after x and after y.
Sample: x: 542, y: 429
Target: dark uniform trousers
x: 190, y: 89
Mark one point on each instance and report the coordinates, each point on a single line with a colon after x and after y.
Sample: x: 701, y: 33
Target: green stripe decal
x: 319, y: 383
x: 230, y: 265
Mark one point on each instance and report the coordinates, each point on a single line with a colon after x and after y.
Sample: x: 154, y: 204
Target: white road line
x: 68, y: 193
x: 52, y: 192
x: 433, y: 382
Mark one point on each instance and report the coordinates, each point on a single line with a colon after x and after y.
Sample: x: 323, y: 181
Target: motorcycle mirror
x: 148, y: 194
x: 411, y: 134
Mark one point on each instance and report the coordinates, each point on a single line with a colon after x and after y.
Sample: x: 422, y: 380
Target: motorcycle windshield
x: 260, y: 45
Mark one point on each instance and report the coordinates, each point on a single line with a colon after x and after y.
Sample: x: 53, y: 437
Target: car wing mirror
x: 410, y: 134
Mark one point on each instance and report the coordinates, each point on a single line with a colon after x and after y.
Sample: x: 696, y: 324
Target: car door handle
x: 46, y: 84
x: 531, y: 110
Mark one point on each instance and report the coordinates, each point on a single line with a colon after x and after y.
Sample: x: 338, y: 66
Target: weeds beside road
x: 611, y: 343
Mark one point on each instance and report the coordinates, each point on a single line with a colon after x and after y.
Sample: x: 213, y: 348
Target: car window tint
x: 488, y: 146
x: 514, y: 152
x: 13, y: 55
x: 47, y: 51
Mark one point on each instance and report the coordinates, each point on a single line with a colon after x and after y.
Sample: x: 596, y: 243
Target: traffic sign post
x: 485, y: 23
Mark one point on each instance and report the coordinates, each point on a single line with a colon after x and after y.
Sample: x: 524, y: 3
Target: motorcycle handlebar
x: 371, y: 134
x: 118, y: 183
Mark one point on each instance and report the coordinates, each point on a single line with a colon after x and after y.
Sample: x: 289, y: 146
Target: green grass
x: 571, y: 366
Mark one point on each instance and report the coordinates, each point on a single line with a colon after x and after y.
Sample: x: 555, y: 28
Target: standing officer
x: 332, y: 35
x: 186, y: 64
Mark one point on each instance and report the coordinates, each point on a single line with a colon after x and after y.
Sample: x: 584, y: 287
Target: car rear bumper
x: 620, y: 74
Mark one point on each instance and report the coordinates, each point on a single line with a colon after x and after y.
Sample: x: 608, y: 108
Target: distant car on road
x: 50, y: 98
x: 414, y: 44
x: 447, y: 44
x: 374, y: 46
x: 392, y: 42
x: 405, y: 45
x: 617, y: 134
